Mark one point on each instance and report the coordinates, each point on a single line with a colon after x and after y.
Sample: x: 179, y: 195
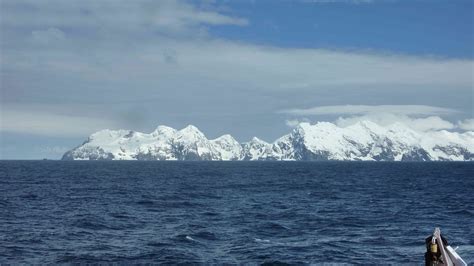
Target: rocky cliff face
x: 322, y: 141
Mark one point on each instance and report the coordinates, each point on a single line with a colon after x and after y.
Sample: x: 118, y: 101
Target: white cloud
x: 131, y: 53
x: 251, y: 66
x: 50, y: 124
x: 418, y: 117
x: 94, y: 45
x: 167, y: 16
x: 130, y: 41
x: 430, y: 123
x: 421, y: 124
x: 467, y: 124
x: 371, y: 109
x: 294, y: 122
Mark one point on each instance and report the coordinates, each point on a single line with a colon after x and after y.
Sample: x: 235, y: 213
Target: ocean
x: 232, y: 212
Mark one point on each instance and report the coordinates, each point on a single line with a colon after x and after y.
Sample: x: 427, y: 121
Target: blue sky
x: 70, y: 68
x: 438, y: 28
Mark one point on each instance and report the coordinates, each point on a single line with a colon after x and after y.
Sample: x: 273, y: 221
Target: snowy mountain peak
x: 367, y: 125
x: 162, y: 128
x: 108, y: 133
x: 163, y: 132
x: 257, y: 141
x: 191, y: 130
x: 305, y: 127
x: 364, y: 140
x: 227, y: 147
x: 225, y: 138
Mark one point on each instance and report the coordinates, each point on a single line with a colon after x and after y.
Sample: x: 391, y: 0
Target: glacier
x: 362, y: 141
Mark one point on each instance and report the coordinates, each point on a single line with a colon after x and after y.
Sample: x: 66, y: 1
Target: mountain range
x: 365, y: 141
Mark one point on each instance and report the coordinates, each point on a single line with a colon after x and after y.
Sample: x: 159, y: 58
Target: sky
x: 248, y: 68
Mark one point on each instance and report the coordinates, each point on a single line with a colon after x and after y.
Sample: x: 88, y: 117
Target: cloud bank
x: 467, y: 124
x: 160, y: 57
x: 429, y: 123
x: 166, y: 16
x: 419, y: 117
x: 372, y: 109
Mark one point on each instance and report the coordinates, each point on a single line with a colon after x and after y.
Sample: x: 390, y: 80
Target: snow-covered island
x: 364, y: 141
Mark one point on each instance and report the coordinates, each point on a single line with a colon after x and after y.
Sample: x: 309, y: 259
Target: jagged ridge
x: 321, y: 141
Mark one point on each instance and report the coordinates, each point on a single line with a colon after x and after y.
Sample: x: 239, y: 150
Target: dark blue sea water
x: 232, y: 212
